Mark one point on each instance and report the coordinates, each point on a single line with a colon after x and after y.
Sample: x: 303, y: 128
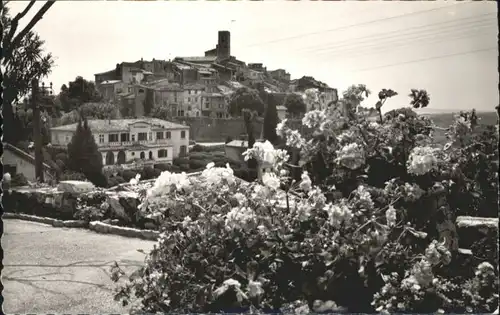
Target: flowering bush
x: 366, y: 225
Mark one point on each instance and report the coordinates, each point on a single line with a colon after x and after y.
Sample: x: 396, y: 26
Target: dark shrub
x: 196, y: 164
x: 148, y: 173
x: 197, y: 148
x: 128, y: 175
x: 180, y: 160
x: 69, y: 175
x: 163, y: 167
x: 115, y: 181
x: 184, y: 167
x: 19, y: 180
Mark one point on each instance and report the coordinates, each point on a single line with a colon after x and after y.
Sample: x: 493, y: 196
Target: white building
x: 122, y: 141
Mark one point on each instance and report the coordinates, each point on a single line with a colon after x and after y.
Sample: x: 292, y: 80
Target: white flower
x: 166, y: 181
x: 265, y: 152
x: 306, y: 183
x: 314, y: 119
x: 338, y: 214
x: 351, y: 156
x: 295, y: 139
x: 422, y: 160
x: 186, y: 222
x: 242, y: 200
x: 242, y: 218
x: 391, y: 216
x: 217, y: 175
x: 135, y: 181
x: 255, y: 289
x: 271, y: 180
x: 280, y: 128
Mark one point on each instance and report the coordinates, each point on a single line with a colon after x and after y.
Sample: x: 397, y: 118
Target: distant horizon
x: 450, y: 50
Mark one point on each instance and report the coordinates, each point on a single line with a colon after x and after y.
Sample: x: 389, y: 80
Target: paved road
x: 60, y: 270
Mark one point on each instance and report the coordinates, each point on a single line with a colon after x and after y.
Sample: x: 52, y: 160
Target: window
x: 207, y: 106
x: 183, y: 134
x: 162, y: 153
x: 142, y: 136
x: 150, y: 136
x: 189, y: 107
x: 141, y: 91
x: 101, y: 138
x: 159, y: 135
x: 129, y: 89
x: 168, y: 135
x: 124, y: 137
x: 189, y: 99
x: 113, y: 137
x: 133, y: 137
x: 197, y: 114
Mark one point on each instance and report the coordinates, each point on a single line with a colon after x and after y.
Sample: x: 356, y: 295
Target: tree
x: 271, y: 120
x: 90, y: 110
x: 84, y: 156
x: 79, y: 91
x: 246, y: 102
x: 23, y: 59
x: 148, y: 102
x: 295, y: 105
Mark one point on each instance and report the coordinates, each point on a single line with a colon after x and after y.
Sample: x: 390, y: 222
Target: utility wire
x: 436, y: 40
x: 426, y: 59
x: 447, y: 35
x: 400, y: 33
x: 355, y: 25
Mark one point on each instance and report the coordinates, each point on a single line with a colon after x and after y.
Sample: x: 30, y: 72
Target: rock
x: 474, y: 229
x: 75, y: 186
x: 58, y: 223
x: 115, y: 222
x: 150, y: 226
x: 75, y: 223
x: 107, y: 221
x: 117, y: 209
x: 150, y: 235
x: 99, y: 227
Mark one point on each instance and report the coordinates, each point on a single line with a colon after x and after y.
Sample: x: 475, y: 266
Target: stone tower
x: 224, y: 45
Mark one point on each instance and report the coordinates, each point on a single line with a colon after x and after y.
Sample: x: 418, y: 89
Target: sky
x: 448, y: 48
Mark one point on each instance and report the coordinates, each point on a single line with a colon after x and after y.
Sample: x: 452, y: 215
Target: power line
x: 355, y: 25
x: 435, y: 40
x: 426, y: 59
x: 371, y: 38
x: 448, y: 35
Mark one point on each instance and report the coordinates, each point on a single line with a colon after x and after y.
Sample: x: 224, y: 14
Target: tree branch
x: 38, y: 16
x: 15, y: 21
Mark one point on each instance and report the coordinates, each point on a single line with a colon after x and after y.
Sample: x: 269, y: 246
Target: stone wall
x: 218, y: 129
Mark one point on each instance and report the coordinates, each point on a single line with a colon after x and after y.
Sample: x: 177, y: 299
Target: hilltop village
x: 198, y: 86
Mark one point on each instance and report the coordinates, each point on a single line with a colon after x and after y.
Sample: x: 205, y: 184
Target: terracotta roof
x: 110, y: 82
x: 104, y: 125
x: 194, y: 86
x: 198, y: 58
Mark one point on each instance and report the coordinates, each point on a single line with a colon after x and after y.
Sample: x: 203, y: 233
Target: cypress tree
x: 84, y: 155
x: 271, y: 120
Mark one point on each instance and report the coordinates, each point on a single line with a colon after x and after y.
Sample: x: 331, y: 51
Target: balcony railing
x: 134, y: 143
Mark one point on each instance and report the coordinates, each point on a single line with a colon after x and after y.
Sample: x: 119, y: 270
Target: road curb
x: 96, y: 226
